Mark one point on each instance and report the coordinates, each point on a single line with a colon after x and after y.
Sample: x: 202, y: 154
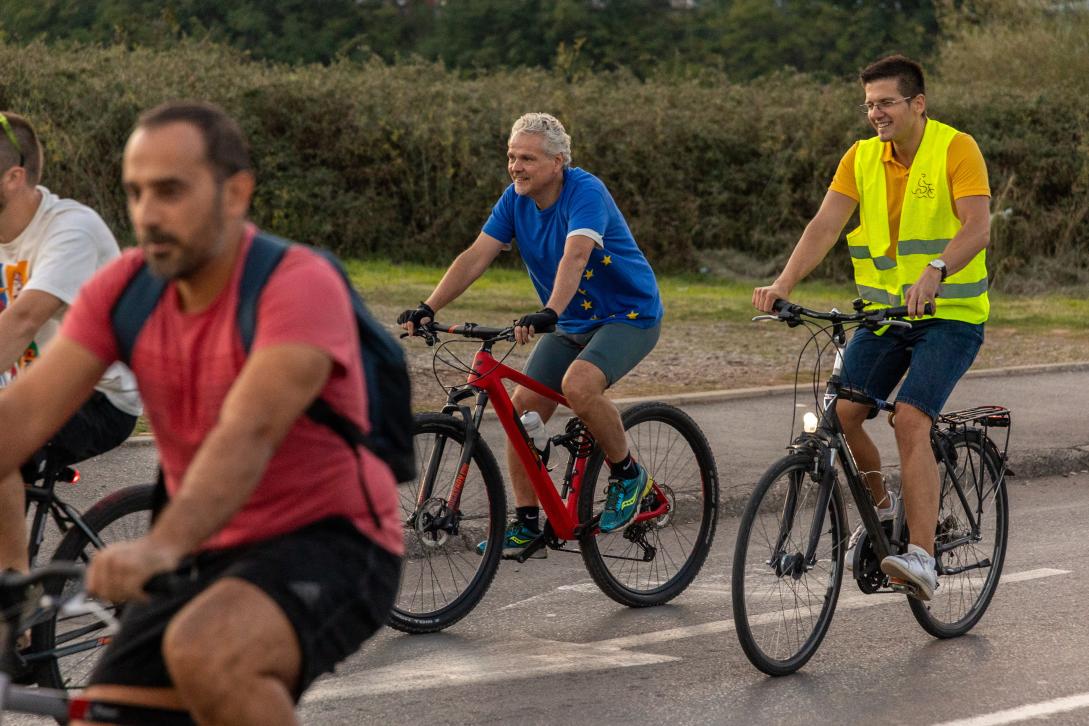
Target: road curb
x: 734, y: 394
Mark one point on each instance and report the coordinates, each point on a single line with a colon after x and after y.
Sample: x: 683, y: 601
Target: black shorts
x: 335, y: 586
x: 97, y: 427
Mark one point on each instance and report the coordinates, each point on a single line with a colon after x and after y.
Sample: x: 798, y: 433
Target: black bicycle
x: 25, y: 599
x: 789, y: 557
x: 63, y: 649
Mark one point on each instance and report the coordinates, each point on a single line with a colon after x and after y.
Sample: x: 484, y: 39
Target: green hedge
x: 405, y: 161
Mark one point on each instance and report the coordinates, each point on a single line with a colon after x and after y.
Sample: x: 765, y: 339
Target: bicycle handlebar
x: 429, y: 331
x: 18, y: 580
x: 788, y: 312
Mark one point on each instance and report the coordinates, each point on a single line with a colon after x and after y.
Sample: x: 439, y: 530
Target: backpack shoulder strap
x: 265, y: 254
x: 133, y: 307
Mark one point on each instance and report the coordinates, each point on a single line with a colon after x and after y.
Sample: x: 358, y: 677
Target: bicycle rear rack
x: 985, y: 418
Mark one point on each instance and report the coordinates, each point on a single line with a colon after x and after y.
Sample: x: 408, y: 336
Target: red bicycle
x: 459, y: 499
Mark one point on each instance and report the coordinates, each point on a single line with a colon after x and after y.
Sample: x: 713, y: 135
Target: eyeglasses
x: 10, y: 133
x: 884, y: 105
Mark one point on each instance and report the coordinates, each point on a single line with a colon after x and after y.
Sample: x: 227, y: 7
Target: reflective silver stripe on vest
x: 862, y: 252
x: 963, y: 289
x: 877, y: 295
x: 954, y: 290
x: 921, y: 246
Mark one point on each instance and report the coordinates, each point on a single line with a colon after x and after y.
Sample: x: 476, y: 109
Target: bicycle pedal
x: 905, y: 588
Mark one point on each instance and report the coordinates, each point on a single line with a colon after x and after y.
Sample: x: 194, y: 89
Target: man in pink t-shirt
x: 289, y: 539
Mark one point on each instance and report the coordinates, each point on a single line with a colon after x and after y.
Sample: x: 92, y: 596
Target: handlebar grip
x: 779, y: 304
x: 901, y: 311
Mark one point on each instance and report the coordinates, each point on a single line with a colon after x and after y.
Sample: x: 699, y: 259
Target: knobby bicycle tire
x: 673, y: 449
x: 76, y: 642
x: 783, y: 608
x: 961, y: 599
x: 443, y: 576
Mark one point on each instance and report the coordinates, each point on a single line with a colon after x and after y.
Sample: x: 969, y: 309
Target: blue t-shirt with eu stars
x: 617, y: 285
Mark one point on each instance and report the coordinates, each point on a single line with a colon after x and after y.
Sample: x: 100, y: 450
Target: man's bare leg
x: 851, y: 416
x: 584, y: 387
x: 919, y: 473
x: 526, y: 400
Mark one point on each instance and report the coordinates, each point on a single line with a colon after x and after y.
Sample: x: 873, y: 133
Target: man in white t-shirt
x: 48, y: 248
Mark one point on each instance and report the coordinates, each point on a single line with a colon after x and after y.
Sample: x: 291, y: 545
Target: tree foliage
x: 745, y: 38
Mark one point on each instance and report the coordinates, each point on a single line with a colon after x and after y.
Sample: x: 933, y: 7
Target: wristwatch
x: 939, y: 265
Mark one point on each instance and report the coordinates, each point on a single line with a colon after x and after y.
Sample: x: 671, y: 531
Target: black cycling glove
x: 417, y: 315
x: 543, y: 321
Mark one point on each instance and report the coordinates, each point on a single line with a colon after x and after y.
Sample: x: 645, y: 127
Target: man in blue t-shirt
x: 598, y: 291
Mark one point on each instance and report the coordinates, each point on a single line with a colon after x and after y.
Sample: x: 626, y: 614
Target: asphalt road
x: 546, y: 646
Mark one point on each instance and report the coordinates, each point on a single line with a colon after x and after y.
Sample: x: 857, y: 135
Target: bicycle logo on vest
x: 923, y: 188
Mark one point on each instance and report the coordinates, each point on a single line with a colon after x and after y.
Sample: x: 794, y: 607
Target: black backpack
x: 388, y: 395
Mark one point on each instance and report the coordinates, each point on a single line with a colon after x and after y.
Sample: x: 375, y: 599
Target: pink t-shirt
x: 185, y: 364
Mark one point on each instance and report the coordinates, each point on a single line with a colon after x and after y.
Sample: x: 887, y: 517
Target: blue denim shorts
x: 935, y: 353
x: 615, y: 348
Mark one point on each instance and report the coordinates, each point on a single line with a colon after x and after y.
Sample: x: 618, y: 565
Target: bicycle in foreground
x: 63, y: 648
x: 459, y: 499
x: 789, y: 557
x: 25, y: 598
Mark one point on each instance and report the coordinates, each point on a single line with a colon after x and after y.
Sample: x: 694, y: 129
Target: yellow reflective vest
x: 927, y: 223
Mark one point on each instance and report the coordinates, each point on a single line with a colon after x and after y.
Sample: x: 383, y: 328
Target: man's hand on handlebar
x: 412, y: 318
x: 542, y: 321
x: 924, y: 291
x: 763, y: 298
x: 119, y: 572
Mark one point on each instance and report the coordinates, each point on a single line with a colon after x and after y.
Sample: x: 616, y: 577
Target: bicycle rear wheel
x: 973, y: 557
x: 443, y: 576
x: 65, y: 649
x: 783, y: 605
x: 651, y: 562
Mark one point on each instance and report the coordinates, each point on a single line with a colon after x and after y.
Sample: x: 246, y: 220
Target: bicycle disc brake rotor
x: 432, y: 523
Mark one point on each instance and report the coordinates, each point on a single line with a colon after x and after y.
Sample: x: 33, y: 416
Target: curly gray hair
x: 556, y: 140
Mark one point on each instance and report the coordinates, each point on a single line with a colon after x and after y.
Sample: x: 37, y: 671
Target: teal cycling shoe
x: 622, y: 499
x: 515, y: 540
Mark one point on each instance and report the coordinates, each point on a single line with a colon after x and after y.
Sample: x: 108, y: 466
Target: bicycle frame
x: 486, y: 379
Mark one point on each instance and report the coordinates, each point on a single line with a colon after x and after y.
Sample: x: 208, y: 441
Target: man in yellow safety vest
x: 924, y: 223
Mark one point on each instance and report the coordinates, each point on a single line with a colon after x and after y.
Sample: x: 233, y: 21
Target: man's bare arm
x: 819, y: 237
x: 274, y: 388
x: 464, y: 271
x: 974, y: 235
x: 43, y: 397
x: 21, y: 321
x: 576, y: 253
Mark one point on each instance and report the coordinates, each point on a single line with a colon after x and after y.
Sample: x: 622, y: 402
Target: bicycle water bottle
x: 538, y: 434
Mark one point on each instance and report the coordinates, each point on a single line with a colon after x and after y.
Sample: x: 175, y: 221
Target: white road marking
x: 459, y: 665
x: 853, y: 602
x: 1024, y: 713
x: 465, y: 663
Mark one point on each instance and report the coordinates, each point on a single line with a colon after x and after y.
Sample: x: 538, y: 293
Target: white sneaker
x: 914, y: 569
x: 884, y: 514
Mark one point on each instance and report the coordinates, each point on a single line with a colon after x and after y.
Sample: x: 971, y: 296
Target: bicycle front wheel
x: 783, y: 602
x: 444, y: 575
x: 970, y: 540
x: 652, y: 561
x: 65, y: 649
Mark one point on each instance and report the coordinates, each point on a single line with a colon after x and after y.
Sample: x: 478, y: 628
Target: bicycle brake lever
x: 757, y: 318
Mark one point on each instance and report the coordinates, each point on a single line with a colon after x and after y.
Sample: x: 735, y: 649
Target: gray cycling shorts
x: 615, y: 348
